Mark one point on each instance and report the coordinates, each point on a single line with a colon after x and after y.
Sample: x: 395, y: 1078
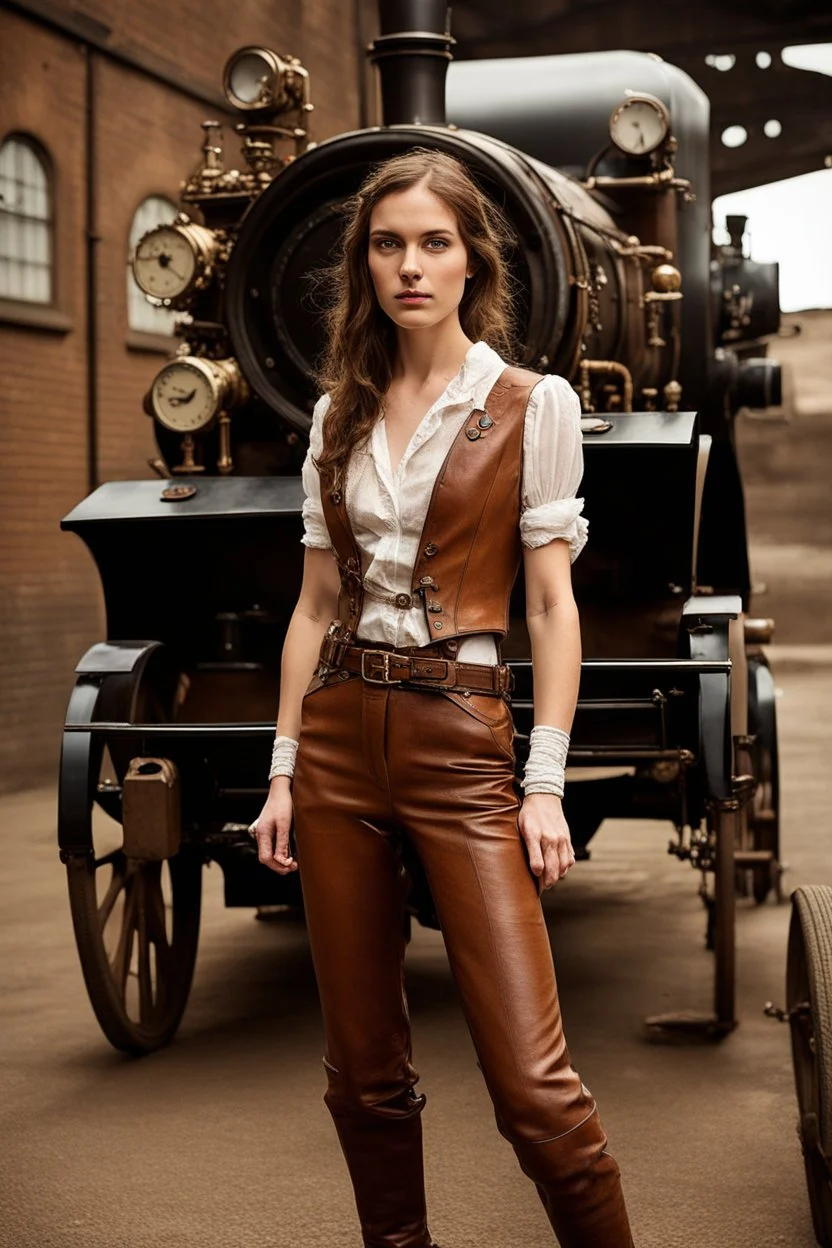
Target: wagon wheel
x: 136, y: 922
x: 809, y: 1006
x: 764, y: 811
x: 137, y: 927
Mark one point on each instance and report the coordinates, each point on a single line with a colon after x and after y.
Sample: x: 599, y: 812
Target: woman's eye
x: 441, y: 241
x: 383, y: 243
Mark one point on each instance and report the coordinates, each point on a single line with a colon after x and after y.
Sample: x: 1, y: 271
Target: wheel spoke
x: 146, y: 1003
x: 120, y: 963
x: 157, y: 929
x: 117, y: 883
x: 113, y: 857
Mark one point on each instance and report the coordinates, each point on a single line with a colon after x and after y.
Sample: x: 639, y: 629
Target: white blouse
x: 387, y: 510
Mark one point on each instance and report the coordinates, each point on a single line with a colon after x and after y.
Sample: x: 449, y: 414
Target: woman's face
x: 418, y: 261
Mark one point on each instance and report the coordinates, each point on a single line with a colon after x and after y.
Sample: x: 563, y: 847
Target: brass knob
x: 666, y: 278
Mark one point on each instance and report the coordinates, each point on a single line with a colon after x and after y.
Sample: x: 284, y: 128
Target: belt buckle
x: 385, y: 678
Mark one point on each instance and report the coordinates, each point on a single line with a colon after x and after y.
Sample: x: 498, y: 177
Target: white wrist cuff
x: 544, y: 771
x: 283, y: 757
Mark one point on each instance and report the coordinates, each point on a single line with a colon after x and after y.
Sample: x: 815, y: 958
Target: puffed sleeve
x: 553, y: 464
x: 315, y: 532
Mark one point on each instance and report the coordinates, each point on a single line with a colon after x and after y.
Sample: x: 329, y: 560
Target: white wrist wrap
x: 544, y: 771
x: 283, y: 757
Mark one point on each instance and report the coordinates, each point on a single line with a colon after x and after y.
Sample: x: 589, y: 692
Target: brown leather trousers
x: 377, y: 764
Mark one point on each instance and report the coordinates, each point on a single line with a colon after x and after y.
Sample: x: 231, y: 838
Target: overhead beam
x: 670, y: 29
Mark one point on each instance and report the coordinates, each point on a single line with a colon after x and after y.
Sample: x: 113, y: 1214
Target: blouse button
x: 404, y: 600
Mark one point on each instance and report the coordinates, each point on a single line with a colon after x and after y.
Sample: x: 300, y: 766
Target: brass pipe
x: 224, y: 461
x: 606, y: 366
x: 656, y: 181
x: 646, y: 251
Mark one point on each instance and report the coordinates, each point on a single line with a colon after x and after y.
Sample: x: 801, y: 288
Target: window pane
x: 42, y: 283
x: 25, y: 223
x: 5, y: 235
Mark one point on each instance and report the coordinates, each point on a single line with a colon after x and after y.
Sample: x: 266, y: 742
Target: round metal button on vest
x: 404, y: 600
x: 473, y: 433
x: 336, y: 497
x: 431, y: 549
x: 485, y: 421
x: 437, y: 624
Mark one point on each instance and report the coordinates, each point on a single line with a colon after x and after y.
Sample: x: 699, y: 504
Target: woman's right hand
x: 272, y: 827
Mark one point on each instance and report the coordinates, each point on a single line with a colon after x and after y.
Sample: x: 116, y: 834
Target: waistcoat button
x: 437, y: 624
x: 485, y: 421
x: 435, y: 607
x: 431, y: 549
x: 336, y: 497
x: 473, y: 433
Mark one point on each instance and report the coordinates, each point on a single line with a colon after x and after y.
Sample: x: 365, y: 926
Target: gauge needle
x: 637, y: 125
x: 165, y: 263
x: 178, y: 400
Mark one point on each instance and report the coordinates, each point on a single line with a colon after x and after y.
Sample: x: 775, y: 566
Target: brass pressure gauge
x: 171, y: 261
x: 256, y: 78
x: 190, y: 392
x: 640, y: 124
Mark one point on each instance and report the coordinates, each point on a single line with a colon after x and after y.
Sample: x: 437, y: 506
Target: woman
x: 431, y: 466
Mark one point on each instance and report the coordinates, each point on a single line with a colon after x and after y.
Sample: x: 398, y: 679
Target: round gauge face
x: 250, y: 79
x: 184, y: 397
x: 639, y: 125
x: 165, y: 262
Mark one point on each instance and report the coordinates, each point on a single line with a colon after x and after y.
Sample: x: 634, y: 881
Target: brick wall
x: 147, y: 138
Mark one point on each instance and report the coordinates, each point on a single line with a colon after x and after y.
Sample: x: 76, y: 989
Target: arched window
x: 26, y: 244
x: 141, y: 314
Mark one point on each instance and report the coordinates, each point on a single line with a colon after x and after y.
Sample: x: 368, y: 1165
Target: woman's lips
x: 414, y: 296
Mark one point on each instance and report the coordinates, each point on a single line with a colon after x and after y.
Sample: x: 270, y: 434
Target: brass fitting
x: 588, y: 367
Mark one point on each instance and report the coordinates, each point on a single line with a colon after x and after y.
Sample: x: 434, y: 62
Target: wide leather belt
x: 387, y: 667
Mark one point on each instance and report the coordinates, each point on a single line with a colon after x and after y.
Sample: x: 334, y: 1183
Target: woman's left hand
x: 546, y: 833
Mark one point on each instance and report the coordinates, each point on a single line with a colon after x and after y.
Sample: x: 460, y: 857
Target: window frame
x: 27, y: 312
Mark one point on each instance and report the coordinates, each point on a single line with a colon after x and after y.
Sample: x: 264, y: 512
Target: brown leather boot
x: 383, y: 1150
x: 579, y: 1183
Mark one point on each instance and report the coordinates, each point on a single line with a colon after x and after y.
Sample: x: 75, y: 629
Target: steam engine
x: 600, y: 164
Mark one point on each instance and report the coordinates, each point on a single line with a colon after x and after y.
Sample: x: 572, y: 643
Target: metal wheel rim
x: 803, y: 1026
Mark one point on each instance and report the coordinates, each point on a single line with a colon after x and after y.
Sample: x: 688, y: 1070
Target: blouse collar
x: 481, y: 363
x: 480, y: 369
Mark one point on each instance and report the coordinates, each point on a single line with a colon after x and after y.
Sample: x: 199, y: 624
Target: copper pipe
x: 606, y: 366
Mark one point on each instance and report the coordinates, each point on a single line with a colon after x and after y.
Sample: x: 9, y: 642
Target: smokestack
x: 412, y: 54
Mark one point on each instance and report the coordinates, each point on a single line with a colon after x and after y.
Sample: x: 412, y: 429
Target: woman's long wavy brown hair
x: 356, y: 367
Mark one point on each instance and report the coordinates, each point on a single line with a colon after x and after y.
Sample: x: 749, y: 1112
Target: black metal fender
x: 703, y: 634
x: 762, y: 715
x: 109, y: 676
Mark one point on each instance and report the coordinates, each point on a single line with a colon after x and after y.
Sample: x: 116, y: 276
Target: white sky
x: 789, y: 221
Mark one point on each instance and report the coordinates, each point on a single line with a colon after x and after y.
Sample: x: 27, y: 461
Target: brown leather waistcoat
x: 470, y: 548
